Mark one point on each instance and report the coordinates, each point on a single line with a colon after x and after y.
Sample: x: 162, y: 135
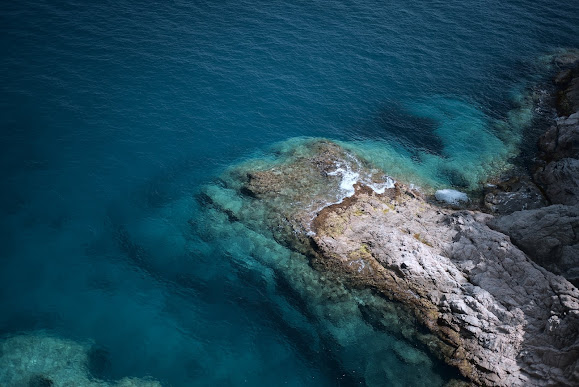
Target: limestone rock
x: 480, y: 294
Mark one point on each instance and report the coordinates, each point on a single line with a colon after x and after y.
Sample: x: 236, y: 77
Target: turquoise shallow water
x: 114, y: 114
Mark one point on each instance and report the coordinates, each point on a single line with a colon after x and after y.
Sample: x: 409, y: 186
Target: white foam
x: 349, y: 178
x: 380, y: 188
x: 451, y: 196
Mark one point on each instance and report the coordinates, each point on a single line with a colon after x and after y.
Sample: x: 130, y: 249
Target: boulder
x: 560, y: 181
x: 549, y: 235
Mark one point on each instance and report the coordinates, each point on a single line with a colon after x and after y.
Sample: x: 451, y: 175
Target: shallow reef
x: 41, y: 360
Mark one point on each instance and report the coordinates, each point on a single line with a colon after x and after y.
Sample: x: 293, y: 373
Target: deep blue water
x: 114, y: 113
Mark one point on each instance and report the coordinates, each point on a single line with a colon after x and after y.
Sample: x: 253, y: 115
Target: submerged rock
x: 38, y: 360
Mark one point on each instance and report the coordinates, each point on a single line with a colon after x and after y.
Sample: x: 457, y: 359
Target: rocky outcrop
x: 261, y: 213
x: 558, y: 174
x: 513, y: 193
x: 549, y: 235
x: 503, y: 319
x: 496, y: 316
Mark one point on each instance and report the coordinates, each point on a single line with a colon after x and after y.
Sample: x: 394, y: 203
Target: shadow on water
x: 393, y: 123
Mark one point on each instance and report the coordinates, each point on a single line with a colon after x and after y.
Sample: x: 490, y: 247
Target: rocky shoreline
x: 489, y: 288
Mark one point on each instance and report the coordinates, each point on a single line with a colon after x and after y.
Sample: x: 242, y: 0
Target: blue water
x: 115, y: 113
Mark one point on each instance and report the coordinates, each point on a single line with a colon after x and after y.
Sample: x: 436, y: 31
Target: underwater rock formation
x: 494, y: 314
x: 37, y: 360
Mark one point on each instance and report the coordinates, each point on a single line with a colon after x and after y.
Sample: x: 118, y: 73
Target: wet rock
x: 557, y: 170
x: 558, y: 174
x: 567, y: 82
x: 549, y: 235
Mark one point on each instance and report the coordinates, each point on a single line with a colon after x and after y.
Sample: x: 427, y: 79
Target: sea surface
x: 115, y: 114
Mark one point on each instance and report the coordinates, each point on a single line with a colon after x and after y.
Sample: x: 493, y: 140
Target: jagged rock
x: 559, y: 173
x: 549, y: 235
x: 493, y: 314
x: 513, y: 194
x: 469, y: 284
x: 561, y: 140
x: 558, y: 169
x: 560, y: 181
x: 567, y: 82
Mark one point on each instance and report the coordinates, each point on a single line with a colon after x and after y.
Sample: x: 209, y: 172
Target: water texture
x: 116, y: 115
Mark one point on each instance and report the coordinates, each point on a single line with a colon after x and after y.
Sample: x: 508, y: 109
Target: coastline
x: 465, y: 275
x: 466, y: 292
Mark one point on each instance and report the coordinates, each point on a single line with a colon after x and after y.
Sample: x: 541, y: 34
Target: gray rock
x: 513, y: 194
x: 550, y: 236
x: 466, y: 282
x: 561, y: 140
x: 560, y: 180
x: 494, y: 314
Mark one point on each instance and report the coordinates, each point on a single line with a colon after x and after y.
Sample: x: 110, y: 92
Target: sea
x: 115, y: 115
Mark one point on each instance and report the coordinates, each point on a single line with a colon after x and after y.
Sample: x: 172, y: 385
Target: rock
x: 560, y: 181
x: 514, y: 193
x: 467, y: 283
x: 549, y: 235
x: 561, y: 140
x: 558, y: 169
x: 559, y: 173
x: 492, y: 313
x: 567, y: 82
